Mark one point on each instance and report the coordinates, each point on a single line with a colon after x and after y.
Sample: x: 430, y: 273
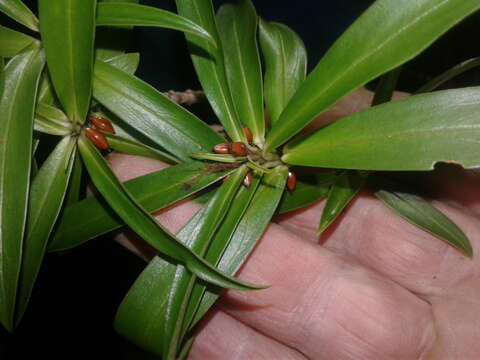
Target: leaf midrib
x: 362, y: 59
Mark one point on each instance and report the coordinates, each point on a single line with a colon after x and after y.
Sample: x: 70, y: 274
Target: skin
x: 378, y: 288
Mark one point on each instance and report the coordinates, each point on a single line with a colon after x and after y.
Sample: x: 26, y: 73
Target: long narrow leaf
x: 133, y: 147
x: 346, y: 186
x: 125, y: 14
x: 237, y: 27
x: 12, y: 42
x: 420, y: 213
x: 46, y: 93
x: 152, y: 113
x: 411, y: 134
x: 388, y: 34
x: 140, y: 221
x: 92, y: 217
x: 17, y: 10
x: 111, y: 41
x: 285, y: 65
x: 46, y: 197
x: 160, y: 318
x: 75, y: 184
x: 17, y: 105
x: 247, y: 232
x: 219, y: 244
x: 457, y: 70
x: 209, y: 65
x: 68, y: 30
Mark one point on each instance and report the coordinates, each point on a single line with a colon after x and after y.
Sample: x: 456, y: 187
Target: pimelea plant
x: 58, y: 83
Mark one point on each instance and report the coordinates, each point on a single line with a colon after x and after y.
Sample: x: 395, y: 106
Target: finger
x: 378, y: 238
x: 319, y: 302
x: 222, y: 337
x: 326, y: 306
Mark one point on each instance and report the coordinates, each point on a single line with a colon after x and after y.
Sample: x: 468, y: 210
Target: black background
x: 73, y: 305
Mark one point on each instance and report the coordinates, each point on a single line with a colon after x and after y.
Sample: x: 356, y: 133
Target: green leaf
x: 142, y: 223
x: 17, y: 104
x: 209, y: 65
x: 125, y: 62
x: 53, y: 121
x: 75, y: 185
x: 46, y: 93
x: 197, y: 235
x: 387, y: 35
x: 12, y: 42
x: 386, y: 86
x: 420, y: 213
x: 237, y: 27
x: 68, y: 30
x: 346, y: 186
x: 308, y: 191
x: 247, y: 232
x: 152, y: 113
x: 92, y: 217
x: 449, y: 74
x: 19, y: 12
x: 410, y: 134
x: 46, y: 197
x: 133, y: 147
x: 219, y: 244
x: 124, y: 14
x: 285, y: 65
x: 111, y: 41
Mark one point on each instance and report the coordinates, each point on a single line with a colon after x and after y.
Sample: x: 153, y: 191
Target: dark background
x: 73, y: 305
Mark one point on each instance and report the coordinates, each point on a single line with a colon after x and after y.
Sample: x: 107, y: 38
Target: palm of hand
x: 379, y: 288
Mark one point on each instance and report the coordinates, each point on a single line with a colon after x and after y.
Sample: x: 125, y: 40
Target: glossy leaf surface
x: 344, y: 189
x: 17, y: 10
x: 92, y: 217
x: 127, y: 14
x: 152, y: 113
x: 12, y: 42
x: 420, y: 213
x: 388, y: 34
x: 46, y: 197
x: 237, y: 27
x: 410, y: 134
x: 140, y: 221
x: 285, y: 65
x: 209, y: 65
x: 68, y: 30
x: 17, y: 105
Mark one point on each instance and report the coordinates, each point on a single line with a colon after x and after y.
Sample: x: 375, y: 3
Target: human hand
x: 378, y: 288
